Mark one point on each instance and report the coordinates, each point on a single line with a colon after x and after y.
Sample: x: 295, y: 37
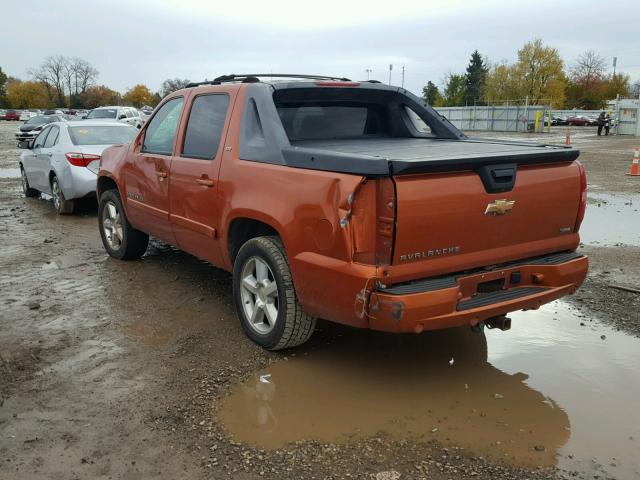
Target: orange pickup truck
x: 350, y: 201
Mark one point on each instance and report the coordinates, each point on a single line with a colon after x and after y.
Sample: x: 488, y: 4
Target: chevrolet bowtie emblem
x: 499, y: 207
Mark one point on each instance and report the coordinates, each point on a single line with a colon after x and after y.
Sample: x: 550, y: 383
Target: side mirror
x: 25, y: 144
x: 122, y: 117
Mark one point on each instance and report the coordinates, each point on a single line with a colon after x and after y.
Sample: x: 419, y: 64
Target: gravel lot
x: 115, y: 369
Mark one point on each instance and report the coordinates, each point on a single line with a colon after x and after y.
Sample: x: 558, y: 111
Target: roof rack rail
x: 254, y: 77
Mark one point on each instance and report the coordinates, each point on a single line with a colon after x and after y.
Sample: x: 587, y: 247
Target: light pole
x: 390, y: 68
x: 368, y: 70
x: 615, y: 61
x: 402, y: 76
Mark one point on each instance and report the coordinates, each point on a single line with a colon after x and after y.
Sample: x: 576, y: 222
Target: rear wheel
x: 26, y: 189
x: 119, y: 238
x: 61, y: 204
x: 265, y: 298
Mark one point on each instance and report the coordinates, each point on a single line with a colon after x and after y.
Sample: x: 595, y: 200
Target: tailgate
x: 448, y: 222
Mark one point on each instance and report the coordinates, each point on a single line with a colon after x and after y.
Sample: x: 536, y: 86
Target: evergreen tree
x: 475, y: 79
x: 454, y: 91
x: 431, y: 94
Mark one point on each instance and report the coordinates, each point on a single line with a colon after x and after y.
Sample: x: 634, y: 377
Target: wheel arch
x: 245, y: 226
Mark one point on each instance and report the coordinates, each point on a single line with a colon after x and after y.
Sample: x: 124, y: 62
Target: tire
x: 119, y: 238
x: 278, y: 320
x: 26, y: 189
x: 60, y: 204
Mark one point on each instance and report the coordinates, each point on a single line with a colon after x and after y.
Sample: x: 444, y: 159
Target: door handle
x: 206, y: 182
x: 161, y: 174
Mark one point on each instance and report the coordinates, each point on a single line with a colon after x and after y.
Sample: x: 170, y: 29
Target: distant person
x: 607, y: 124
x: 602, y: 120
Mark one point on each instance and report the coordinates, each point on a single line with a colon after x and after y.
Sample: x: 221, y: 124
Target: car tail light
x: 373, y: 222
x: 337, y: 84
x: 583, y: 197
x: 81, y: 159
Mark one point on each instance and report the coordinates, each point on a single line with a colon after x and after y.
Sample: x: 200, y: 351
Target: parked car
x: 2, y: 114
x: 26, y: 115
x: 12, y: 115
x: 63, y: 159
x: 32, y: 127
x: 348, y: 201
x: 128, y: 115
x: 580, y: 120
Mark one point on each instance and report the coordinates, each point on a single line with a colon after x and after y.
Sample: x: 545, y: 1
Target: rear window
x: 101, y: 135
x: 103, y: 113
x: 325, y: 121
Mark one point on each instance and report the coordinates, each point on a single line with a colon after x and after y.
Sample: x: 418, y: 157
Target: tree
x: 618, y: 84
x: 138, y: 96
x: 454, y: 91
x: 29, y: 94
x: 503, y: 85
x: 51, y: 74
x: 431, y: 94
x: 541, y: 71
x: 475, y: 79
x: 4, y: 102
x: 588, y: 83
x: 99, y: 96
x: 170, y: 85
x: 66, y: 78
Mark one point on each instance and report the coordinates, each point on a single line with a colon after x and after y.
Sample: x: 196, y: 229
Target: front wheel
x: 265, y: 298
x: 119, y: 238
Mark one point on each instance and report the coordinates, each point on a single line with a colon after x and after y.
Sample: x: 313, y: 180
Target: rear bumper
x: 454, y: 300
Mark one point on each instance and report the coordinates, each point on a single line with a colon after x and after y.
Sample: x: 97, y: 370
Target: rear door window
x: 52, y: 138
x: 206, y: 123
x: 41, y: 138
x: 161, y: 132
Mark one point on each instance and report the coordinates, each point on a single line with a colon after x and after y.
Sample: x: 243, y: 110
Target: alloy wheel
x: 259, y: 295
x: 112, y: 225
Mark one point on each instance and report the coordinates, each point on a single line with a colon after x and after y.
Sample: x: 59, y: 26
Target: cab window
x: 204, y: 129
x: 161, y: 130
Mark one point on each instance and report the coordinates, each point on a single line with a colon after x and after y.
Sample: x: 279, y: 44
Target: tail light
x: 583, y: 197
x: 373, y: 222
x: 81, y: 159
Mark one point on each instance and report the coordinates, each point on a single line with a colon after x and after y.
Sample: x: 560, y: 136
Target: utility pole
x: 390, y: 68
x: 368, y: 70
x: 402, y: 76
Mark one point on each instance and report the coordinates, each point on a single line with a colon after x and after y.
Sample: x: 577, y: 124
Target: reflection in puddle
x: 540, y: 392
x: 611, y: 220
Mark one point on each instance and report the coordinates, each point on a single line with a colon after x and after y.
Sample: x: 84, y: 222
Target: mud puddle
x: 611, y: 220
x: 542, y: 394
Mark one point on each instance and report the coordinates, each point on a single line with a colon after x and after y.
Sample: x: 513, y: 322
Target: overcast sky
x: 146, y: 41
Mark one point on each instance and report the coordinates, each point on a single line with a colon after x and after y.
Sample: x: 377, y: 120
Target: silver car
x: 63, y: 159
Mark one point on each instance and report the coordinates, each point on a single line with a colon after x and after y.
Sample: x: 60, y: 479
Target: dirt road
x: 140, y: 370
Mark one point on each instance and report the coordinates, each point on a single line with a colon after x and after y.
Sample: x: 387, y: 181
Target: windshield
x: 102, y: 135
x: 103, y: 113
x: 39, y: 120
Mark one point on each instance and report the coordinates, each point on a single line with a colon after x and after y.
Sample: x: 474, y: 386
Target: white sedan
x: 63, y: 160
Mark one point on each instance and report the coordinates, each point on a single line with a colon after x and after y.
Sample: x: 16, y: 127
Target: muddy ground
x: 125, y: 370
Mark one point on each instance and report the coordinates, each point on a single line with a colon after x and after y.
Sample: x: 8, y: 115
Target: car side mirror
x: 25, y: 144
x: 122, y: 117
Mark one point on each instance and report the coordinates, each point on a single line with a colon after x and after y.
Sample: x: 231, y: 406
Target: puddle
x: 546, y: 390
x: 9, y: 173
x: 611, y: 220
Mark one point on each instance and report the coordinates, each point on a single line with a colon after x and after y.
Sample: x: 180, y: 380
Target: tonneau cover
x: 397, y: 156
